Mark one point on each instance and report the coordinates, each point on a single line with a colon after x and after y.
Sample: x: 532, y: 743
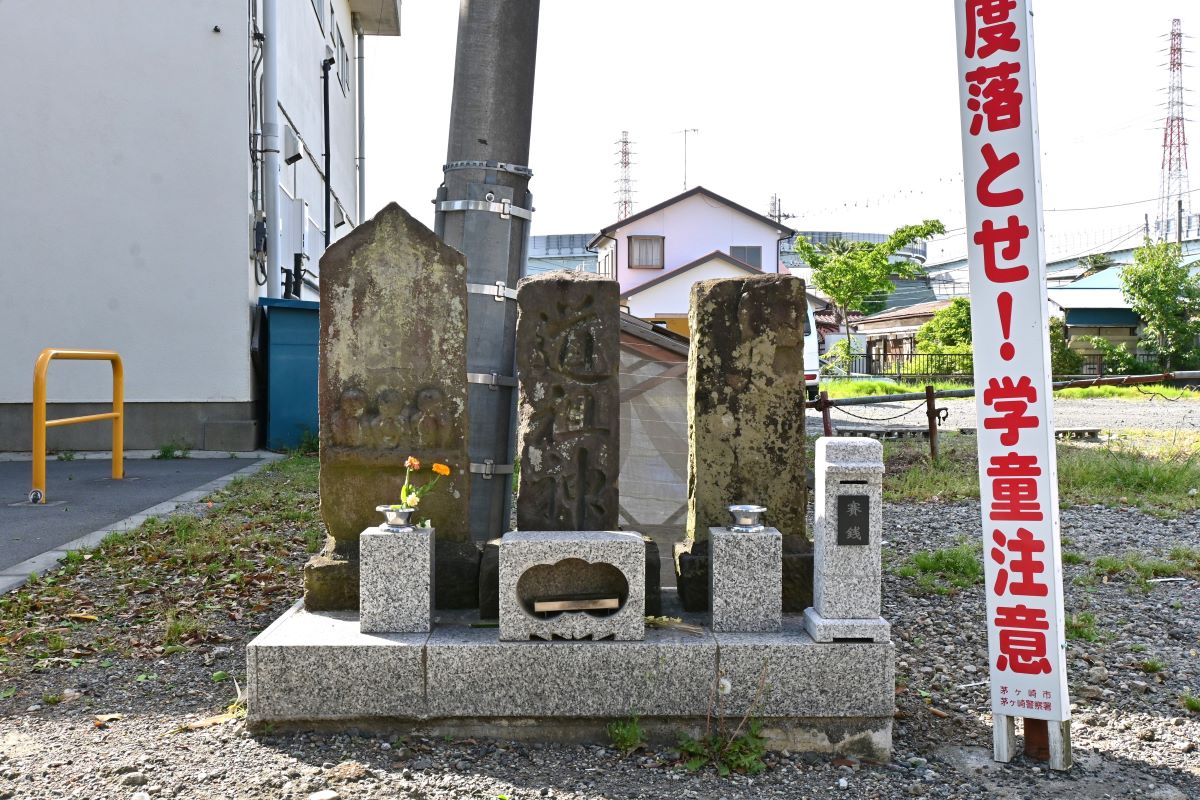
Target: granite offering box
x: 541, y: 565
x: 846, y: 542
x: 395, y: 584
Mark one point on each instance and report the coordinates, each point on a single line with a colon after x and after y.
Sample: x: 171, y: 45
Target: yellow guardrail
x: 38, y: 493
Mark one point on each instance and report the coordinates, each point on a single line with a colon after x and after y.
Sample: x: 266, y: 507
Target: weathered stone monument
x: 568, y: 436
x: 746, y: 423
x: 392, y: 383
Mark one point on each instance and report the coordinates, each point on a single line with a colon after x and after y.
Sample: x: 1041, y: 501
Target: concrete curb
x: 16, y: 575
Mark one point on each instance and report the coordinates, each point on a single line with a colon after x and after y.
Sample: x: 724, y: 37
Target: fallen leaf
x: 102, y: 720
x: 207, y: 722
x: 937, y: 712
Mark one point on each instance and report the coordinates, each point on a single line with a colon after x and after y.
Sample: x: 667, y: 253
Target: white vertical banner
x: 1018, y: 475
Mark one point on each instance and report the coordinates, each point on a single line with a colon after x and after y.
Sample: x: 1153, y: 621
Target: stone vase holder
x: 746, y: 578
x: 395, y: 584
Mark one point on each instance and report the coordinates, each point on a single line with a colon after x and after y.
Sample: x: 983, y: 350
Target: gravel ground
x: 1108, y: 415
x: 1131, y: 736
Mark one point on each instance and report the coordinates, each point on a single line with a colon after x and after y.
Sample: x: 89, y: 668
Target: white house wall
x: 303, y: 42
x: 673, y: 295
x: 692, y: 228
x: 123, y: 211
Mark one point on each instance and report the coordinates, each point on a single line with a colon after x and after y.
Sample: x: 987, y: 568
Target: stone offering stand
x: 571, y: 650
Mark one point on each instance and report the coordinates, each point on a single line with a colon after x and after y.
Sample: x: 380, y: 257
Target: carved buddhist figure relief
x: 424, y: 423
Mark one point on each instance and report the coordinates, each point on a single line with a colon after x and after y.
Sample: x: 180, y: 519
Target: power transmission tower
x: 776, y: 212
x: 624, y: 182
x: 1173, y: 189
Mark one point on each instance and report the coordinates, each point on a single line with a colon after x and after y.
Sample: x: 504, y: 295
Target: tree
x: 1095, y: 262
x: 949, y: 326
x: 851, y: 273
x: 1161, y: 289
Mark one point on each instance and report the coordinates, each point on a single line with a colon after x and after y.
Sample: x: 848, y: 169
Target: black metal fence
x: 908, y: 367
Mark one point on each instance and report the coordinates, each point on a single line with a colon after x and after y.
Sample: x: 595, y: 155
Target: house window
x: 343, y: 60
x: 319, y: 8
x: 747, y: 254
x: 646, y: 252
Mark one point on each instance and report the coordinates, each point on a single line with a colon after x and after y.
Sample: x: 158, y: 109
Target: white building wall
x: 673, y: 296
x: 123, y: 213
x: 693, y: 228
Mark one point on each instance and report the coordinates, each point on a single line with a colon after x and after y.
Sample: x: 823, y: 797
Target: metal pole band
x: 498, y: 166
x: 498, y: 290
x: 504, y: 208
x: 490, y: 468
x: 492, y: 380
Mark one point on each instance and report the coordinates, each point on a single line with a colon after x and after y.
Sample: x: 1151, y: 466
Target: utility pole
x: 484, y: 209
x: 685, y: 132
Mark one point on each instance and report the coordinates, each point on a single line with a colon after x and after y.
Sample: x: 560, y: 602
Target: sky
x: 848, y: 111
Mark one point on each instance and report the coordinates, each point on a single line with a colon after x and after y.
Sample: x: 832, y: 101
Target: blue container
x: 290, y: 337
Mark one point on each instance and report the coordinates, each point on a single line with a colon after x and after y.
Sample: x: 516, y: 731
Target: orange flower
x: 412, y: 463
x: 441, y: 469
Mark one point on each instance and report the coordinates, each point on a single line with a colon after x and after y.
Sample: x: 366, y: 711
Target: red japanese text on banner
x: 1018, y: 476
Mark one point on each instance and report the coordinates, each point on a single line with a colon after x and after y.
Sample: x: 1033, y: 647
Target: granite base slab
x: 318, y: 670
x: 802, y: 678
x: 823, y: 630
x: 320, y: 666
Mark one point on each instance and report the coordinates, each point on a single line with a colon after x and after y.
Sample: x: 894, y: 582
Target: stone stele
x: 746, y: 401
x: 392, y: 384
x: 568, y: 355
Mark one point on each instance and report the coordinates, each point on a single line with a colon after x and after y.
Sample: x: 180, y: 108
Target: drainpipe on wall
x: 362, y: 129
x: 325, y: 65
x: 271, y: 138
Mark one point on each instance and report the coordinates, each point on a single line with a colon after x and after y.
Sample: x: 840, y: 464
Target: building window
x: 319, y: 7
x: 645, y: 252
x: 747, y: 254
x: 343, y: 60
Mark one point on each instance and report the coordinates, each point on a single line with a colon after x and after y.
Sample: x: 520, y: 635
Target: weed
x: 52, y: 699
x: 626, y: 734
x: 737, y: 750
x: 7, y: 692
x: 1082, y: 626
x: 1071, y: 557
x: 65, y: 455
x: 1137, y: 647
x: 1139, y: 567
x: 1191, y: 702
x: 173, y: 449
x: 220, y: 675
x: 1152, y: 665
x: 182, y: 627
x: 309, y: 444
x: 947, y: 570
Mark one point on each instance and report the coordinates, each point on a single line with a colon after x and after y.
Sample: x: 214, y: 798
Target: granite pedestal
x: 746, y: 577
x: 395, y: 591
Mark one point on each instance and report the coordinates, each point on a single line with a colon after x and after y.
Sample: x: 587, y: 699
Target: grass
x: 846, y: 387
x: 1156, y: 476
x: 1151, y: 666
x: 1082, y: 627
x: 1180, y: 562
x: 945, y: 571
x: 172, y: 582
x: 1191, y: 702
x: 1071, y: 557
x: 1127, y: 392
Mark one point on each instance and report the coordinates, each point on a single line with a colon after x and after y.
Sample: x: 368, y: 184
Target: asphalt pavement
x: 82, y: 499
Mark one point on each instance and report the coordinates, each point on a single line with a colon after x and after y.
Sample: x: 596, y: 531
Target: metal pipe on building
x: 483, y: 209
x: 325, y: 65
x: 271, y: 145
x: 362, y: 128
